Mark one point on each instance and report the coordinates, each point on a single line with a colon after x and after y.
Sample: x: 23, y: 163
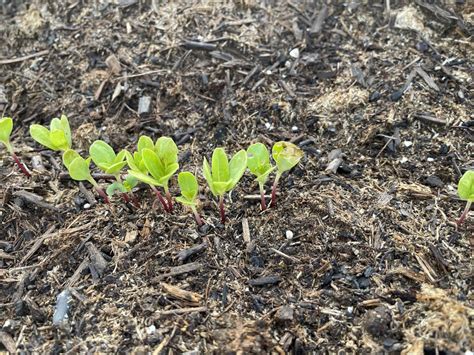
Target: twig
x: 26, y: 57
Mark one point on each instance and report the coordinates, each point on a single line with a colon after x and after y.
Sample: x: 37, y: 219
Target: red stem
x: 197, y: 217
x: 465, y: 213
x: 102, y: 194
x: 135, y: 201
x: 20, y: 165
x: 125, y: 197
x: 162, y: 200
x: 221, y: 209
x: 274, y: 189
x: 170, y: 201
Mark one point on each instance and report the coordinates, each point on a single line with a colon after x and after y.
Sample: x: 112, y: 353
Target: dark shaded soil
x: 375, y: 260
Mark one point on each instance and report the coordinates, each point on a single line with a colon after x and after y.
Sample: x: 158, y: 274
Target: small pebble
x: 268, y: 125
x: 407, y: 143
x: 295, y: 53
x: 151, y: 329
x: 430, y: 160
x: 294, y: 129
x: 289, y: 234
x: 87, y: 206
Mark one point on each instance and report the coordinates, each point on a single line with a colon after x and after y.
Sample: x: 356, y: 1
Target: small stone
x: 285, y: 313
x: 434, y: 181
x: 295, y: 53
x: 86, y: 206
x: 289, y: 234
x: 268, y: 125
x: 407, y: 144
x: 403, y: 160
x: 151, y: 329
x: 144, y: 105
x: 294, y: 129
x: 430, y: 160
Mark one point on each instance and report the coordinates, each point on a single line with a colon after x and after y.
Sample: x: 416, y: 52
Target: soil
x: 361, y: 253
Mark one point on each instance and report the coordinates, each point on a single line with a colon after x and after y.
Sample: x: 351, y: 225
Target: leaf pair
x: 135, y: 161
x: 224, y: 175
x: 105, y: 158
x: 78, y: 167
x: 259, y: 162
x: 160, y: 161
x: 58, y: 137
x: 189, y: 189
x: 123, y: 187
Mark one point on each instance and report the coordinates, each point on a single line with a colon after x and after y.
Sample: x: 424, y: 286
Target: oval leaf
x: 66, y: 129
x: 166, y: 150
x: 147, y: 179
x: 258, y: 159
x: 41, y: 135
x: 145, y: 142
x: 79, y: 169
x: 6, y: 128
x: 206, y: 170
x: 101, y: 153
x: 68, y: 157
x: 466, y: 186
x: 58, y: 139
x: 153, y: 164
x: 237, y: 167
x: 286, y: 155
x: 220, y: 166
x: 188, y: 185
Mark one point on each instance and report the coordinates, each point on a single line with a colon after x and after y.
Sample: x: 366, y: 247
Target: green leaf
x: 114, y: 187
x: 258, y: 162
x: 114, y: 168
x: 41, y: 135
x: 153, y: 164
x: 184, y: 201
x: 66, y: 129
x: 166, y: 150
x: 145, y: 142
x: 131, y: 161
x: 120, y: 156
x: 188, y: 185
x: 6, y: 128
x: 466, y: 186
x: 130, y: 182
x: 79, y: 170
x: 102, y: 154
x: 68, y: 157
x: 220, y: 166
x: 58, y: 139
x: 147, y: 179
x: 237, y: 167
x: 286, y: 155
x: 206, y: 169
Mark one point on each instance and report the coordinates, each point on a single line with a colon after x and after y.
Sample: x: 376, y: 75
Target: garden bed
x: 361, y: 253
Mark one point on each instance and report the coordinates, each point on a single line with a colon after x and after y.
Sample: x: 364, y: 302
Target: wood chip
x: 113, y: 64
x: 184, y: 254
x: 266, y: 280
x: 245, y: 230
x: 180, y: 294
x: 8, y: 342
x: 97, y: 260
x: 181, y: 269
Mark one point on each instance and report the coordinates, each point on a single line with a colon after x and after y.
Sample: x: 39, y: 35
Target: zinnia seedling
x: 161, y: 162
x: 286, y: 156
x: 6, y: 128
x: 106, y: 160
x: 57, y: 137
x: 258, y: 162
x: 78, y: 168
x: 223, y: 176
x: 189, y: 190
x: 466, y: 193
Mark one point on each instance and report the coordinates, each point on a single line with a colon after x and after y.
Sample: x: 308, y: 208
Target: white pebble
x: 407, y: 143
x: 430, y: 159
x: 87, y: 206
x: 268, y: 125
x: 403, y: 160
x: 289, y: 234
x: 295, y: 53
x: 294, y: 129
x: 151, y: 329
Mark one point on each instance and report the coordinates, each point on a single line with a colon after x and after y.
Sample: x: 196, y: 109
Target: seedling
x: 106, y: 160
x: 258, y: 162
x: 286, y: 156
x: 466, y: 193
x: 78, y: 168
x: 189, y: 190
x: 6, y: 128
x: 57, y: 137
x: 223, y: 176
x: 161, y: 162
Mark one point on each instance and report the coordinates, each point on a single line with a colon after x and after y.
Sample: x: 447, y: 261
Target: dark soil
x: 362, y: 252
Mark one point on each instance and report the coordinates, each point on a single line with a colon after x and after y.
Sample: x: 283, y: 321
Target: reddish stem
x: 162, y: 200
x: 170, y: 201
x: 274, y: 189
x: 102, y: 194
x: 263, y: 203
x: 20, y: 165
x: 125, y: 197
x: 197, y: 217
x: 135, y: 201
x: 465, y: 213
x: 221, y: 209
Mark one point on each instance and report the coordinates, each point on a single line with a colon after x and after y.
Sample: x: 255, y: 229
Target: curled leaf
x: 286, y: 155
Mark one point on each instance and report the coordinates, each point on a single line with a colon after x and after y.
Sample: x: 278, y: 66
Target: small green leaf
x: 6, y: 128
x: 188, y: 185
x: 145, y: 142
x: 237, y: 167
x: 102, y: 153
x: 153, y: 164
x: 130, y: 182
x: 79, y: 170
x: 114, y: 168
x: 466, y: 186
x: 166, y: 150
x: 58, y: 139
x: 120, y: 156
x: 147, y: 179
x: 220, y: 166
x: 66, y: 129
x: 114, y: 187
x: 41, y: 135
x: 286, y: 155
x: 68, y: 157
x: 206, y: 169
x: 258, y: 162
